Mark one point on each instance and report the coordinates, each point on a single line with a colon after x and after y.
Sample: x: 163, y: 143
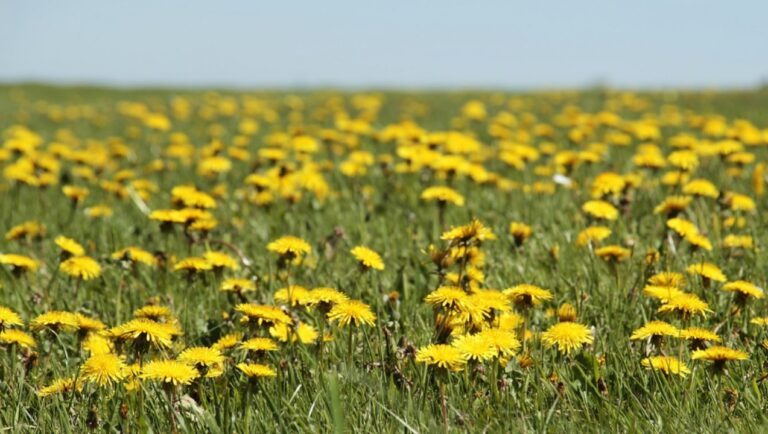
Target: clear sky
x: 363, y: 43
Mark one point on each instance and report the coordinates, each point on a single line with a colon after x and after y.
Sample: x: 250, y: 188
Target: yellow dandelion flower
x: 353, y: 312
x: 136, y: 255
x: 699, y: 334
x: 701, y: 187
x: 81, y: 267
x: 256, y: 370
x: 662, y: 293
x: 9, y: 318
x: 19, y: 263
x: 667, y: 278
x: 17, y: 337
x: 448, y: 297
x: 441, y: 356
x: 686, y: 304
x: 528, y: 295
x: 568, y: 336
x: 227, y: 341
x: 96, y: 343
x: 475, y: 347
x: 504, y: 341
x: 169, y: 372
x: 236, y: 284
x: 103, y: 369
x: 55, y: 319
x: 673, y: 205
x: 153, y: 312
x: 59, y: 386
x: 655, y: 329
x: 471, y: 233
x: 592, y: 234
x: 666, y: 364
x: 443, y: 195
x: 193, y: 264
x: 708, y: 271
x: 613, y: 253
x: 262, y: 314
x: 744, y: 288
x: 303, y: 332
x: 719, y: 355
x: 27, y: 230
x: 258, y: 345
x: 289, y: 246
x: 520, y: 232
x: 368, y: 258
x: 220, y: 260
x: 600, y: 209
x: 69, y: 246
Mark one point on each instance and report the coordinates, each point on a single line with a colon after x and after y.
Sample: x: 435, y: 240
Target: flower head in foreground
x: 475, y: 347
x: 448, y: 298
x: 567, y: 336
x: 69, y: 246
x: 262, y: 315
x: 442, y: 195
x: 55, y: 320
x: 208, y: 361
x: 289, y: 247
x: 353, y: 312
x: 18, y: 337
x: 600, y: 209
x: 744, y: 289
x: 719, y: 355
x: 19, y: 263
x: 9, y: 318
x: 666, y: 364
x: 256, y: 370
x: 59, y: 386
x: 81, y: 267
x: 472, y: 233
x: 687, y: 305
x: 655, y: 329
x: 708, y: 271
x: 527, y: 295
x: 368, y: 258
x: 169, y: 372
x: 442, y: 356
x: 103, y: 369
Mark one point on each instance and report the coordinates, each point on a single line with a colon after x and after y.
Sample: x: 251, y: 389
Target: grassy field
x: 205, y: 183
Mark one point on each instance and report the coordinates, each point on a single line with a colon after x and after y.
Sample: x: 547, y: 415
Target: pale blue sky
x: 641, y: 43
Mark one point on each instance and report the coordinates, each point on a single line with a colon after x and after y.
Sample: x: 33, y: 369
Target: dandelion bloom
x: 325, y: 298
x: 473, y: 232
x: 744, y: 288
x: 69, y: 246
x: 81, y: 267
x: 221, y: 260
x: 613, y: 253
x: 193, y: 264
x: 9, y: 318
x: 442, y: 356
x: 701, y: 187
x: 592, y: 234
x: 654, y: 329
x: 135, y: 255
x: 236, y: 284
x: 662, y: 293
x: 504, y: 341
x: 18, y: 337
x: 19, y: 262
x: 733, y: 241
x: 600, y: 209
x: 96, y: 343
x: 153, y: 312
x: 303, y: 332
x: 368, y: 258
x: 256, y: 370
x: 447, y: 297
x: 103, y: 369
x: 293, y: 295
x: 667, y: 278
x: 289, y: 246
x: 59, y: 386
x: 699, y: 336
x: 707, y: 270
x: 719, y: 355
x: 208, y: 361
x: 520, y: 232
x: 673, y: 205
x: 170, y: 372
x: 687, y: 304
x: 567, y: 336
x: 528, y: 295
x: 262, y: 314
x: 666, y: 364
x: 27, y: 230
x: 352, y: 311
x: 227, y: 341
x: 475, y: 347
x: 258, y: 345
x: 443, y: 195
x: 55, y: 319
x: 145, y: 332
